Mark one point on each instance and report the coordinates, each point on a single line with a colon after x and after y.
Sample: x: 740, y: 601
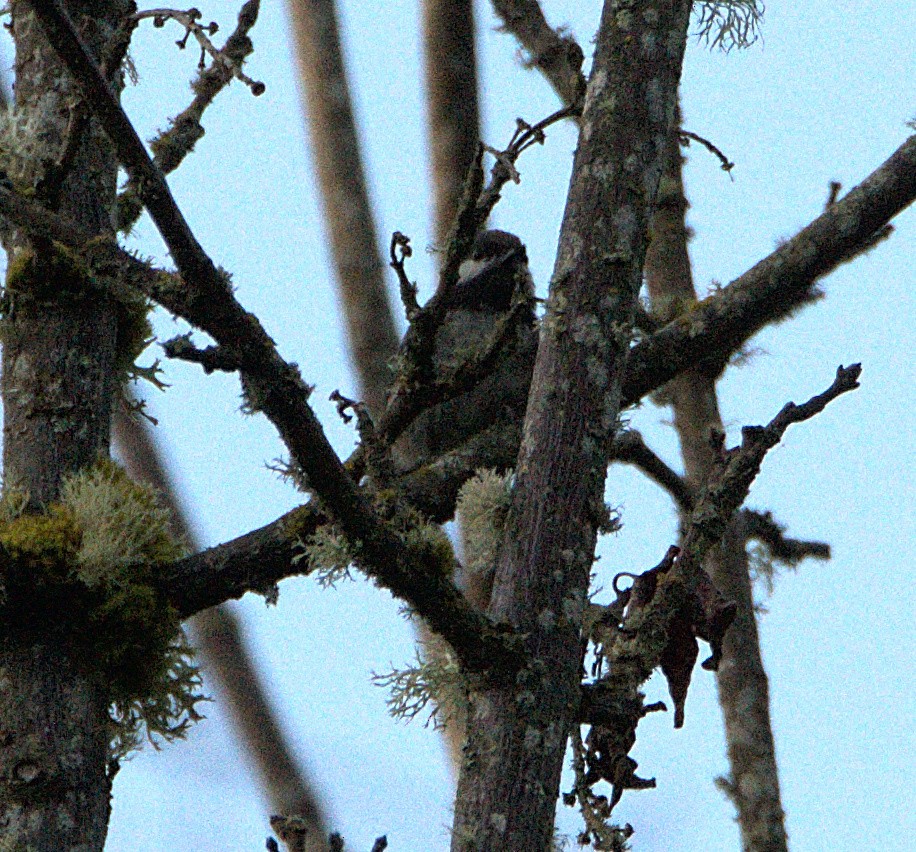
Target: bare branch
x: 400, y: 250
x: 727, y: 489
x: 630, y: 448
x: 687, y: 136
x: 555, y: 54
x: 743, y: 687
x: 211, y: 358
x: 778, y: 285
x: 681, y: 587
x: 450, y: 66
x: 351, y: 230
x: 224, y: 57
x: 171, y: 146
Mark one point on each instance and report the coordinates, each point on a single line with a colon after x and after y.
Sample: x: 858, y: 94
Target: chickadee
x: 489, y: 280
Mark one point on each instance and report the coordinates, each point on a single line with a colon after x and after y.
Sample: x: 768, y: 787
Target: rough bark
x: 509, y: 782
x: 58, y: 382
x: 743, y: 689
x: 348, y: 212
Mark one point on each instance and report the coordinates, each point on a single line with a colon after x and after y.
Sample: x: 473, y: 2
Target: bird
x: 491, y: 281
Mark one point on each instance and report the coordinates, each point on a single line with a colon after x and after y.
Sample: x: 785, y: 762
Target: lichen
x: 483, y: 502
x: 82, y: 570
x: 327, y: 554
x: 26, y: 146
x: 434, y: 683
x: 727, y: 24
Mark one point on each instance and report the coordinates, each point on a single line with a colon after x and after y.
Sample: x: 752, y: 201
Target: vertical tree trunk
x: 508, y: 788
x: 350, y: 225
x: 57, y: 386
x: 450, y: 63
x: 742, y: 681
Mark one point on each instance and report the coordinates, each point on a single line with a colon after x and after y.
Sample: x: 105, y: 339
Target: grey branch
x: 555, y: 54
x: 779, y: 284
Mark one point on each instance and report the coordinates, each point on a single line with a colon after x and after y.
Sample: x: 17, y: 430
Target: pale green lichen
x: 434, y: 683
x: 327, y: 554
x: 429, y: 544
x: 90, y: 556
x: 483, y: 502
x: 726, y: 24
x: 123, y: 522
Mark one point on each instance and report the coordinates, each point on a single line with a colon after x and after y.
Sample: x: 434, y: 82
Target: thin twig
x: 171, y: 146
x: 400, y: 250
x: 190, y: 21
x: 726, y: 164
x: 639, y: 647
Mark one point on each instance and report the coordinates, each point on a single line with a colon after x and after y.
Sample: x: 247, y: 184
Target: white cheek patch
x: 471, y: 267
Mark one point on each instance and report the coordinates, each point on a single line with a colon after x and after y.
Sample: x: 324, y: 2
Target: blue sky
x: 824, y: 96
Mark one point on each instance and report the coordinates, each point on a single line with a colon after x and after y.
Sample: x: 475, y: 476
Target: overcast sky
x: 824, y: 96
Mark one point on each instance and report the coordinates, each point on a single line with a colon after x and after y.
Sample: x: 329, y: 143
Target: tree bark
x: 58, y: 383
x: 753, y: 785
x: 508, y: 788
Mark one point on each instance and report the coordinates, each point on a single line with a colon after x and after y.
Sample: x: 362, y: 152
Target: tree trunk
x: 509, y: 783
x: 742, y: 680
x: 371, y: 332
x: 58, y: 383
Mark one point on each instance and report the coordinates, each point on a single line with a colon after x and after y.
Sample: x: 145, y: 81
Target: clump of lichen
x: 483, y: 502
x: 83, y: 570
x: 123, y: 522
x: 435, y: 684
x: 727, y: 24
x: 329, y: 555
x: 428, y: 542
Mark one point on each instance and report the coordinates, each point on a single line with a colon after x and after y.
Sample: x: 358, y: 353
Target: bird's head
x: 496, y: 269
